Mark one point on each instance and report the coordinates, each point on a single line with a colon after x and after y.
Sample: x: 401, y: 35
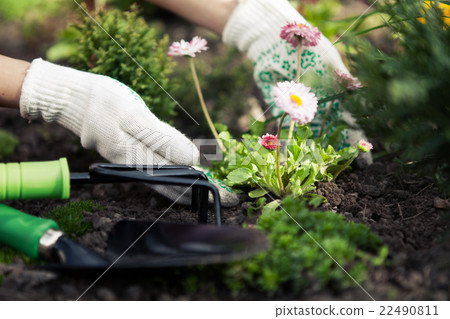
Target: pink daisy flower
x: 348, y: 80
x: 365, y: 146
x: 269, y: 141
x: 297, y: 100
x: 184, y: 48
x: 293, y: 32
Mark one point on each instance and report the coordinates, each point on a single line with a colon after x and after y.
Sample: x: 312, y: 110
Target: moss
x: 7, y: 255
x: 70, y: 217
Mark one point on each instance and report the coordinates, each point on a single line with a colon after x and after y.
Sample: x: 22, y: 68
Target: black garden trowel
x: 131, y: 244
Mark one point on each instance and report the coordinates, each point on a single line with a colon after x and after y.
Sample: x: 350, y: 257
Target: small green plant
x: 136, y: 57
x: 304, y: 162
x: 8, y: 144
x: 7, y: 255
x: 70, y: 217
x: 405, y: 102
x: 247, y: 164
x: 295, y: 260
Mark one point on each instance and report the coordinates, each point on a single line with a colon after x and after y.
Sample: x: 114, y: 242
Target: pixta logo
x: 148, y: 147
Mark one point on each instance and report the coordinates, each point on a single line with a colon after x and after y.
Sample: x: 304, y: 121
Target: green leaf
x: 383, y: 253
x: 61, y: 51
x: 225, y: 135
x: 260, y: 202
x: 220, y: 127
x: 347, y: 153
x: 240, y: 175
x: 271, y: 207
x: 258, y: 193
x: 303, y: 132
x: 297, y: 153
x: 316, y: 200
x: 257, y: 127
x: 335, y: 138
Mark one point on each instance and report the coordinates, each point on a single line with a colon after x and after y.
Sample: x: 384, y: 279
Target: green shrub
x: 295, y: 261
x: 88, y: 47
x: 8, y: 144
x: 70, y: 217
x: 406, y: 100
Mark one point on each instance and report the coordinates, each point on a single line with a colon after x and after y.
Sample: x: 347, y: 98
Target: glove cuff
x: 255, y: 25
x: 55, y: 93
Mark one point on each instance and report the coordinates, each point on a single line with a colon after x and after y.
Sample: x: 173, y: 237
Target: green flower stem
x: 349, y: 161
x: 280, y: 182
x: 333, y: 97
x: 291, y: 130
x: 357, y: 18
x: 299, y: 59
x: 297, y: 80
x: 205, y: 110
x: 324, y: 120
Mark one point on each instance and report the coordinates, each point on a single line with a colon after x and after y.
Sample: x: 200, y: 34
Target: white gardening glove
x: 108, y: 116
x: 254, y: 27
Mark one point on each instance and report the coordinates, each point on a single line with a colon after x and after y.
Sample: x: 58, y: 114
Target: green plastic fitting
x: 35, y: 180
x: 23, y: 231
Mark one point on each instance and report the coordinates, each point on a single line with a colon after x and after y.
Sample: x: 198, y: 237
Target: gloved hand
x: 108, y: 116
x: 254, y: 27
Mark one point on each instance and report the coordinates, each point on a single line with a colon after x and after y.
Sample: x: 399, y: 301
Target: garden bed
x: 404, y: 210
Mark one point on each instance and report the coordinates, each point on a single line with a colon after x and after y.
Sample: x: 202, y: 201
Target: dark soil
x: 405, y: 210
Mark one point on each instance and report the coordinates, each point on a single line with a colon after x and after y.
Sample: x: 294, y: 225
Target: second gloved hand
x: 254, y: 27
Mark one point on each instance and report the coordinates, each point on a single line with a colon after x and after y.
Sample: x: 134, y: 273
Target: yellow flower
x: 445, y: 8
